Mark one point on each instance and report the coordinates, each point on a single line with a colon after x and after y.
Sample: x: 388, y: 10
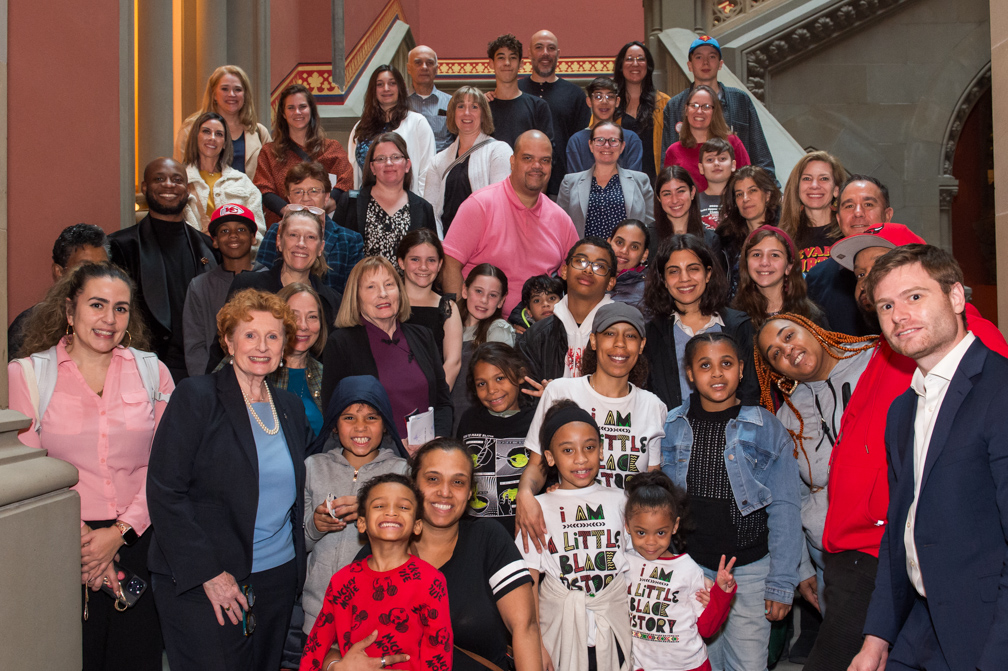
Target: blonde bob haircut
x: 349, y: 311
x: 319, y: 267
x: 247, y: 115
x: 240, y: 308
x: 295, y: 288
x: 465, y: 94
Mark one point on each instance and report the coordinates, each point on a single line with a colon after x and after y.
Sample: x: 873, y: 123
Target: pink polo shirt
x: 108, y: 437
x: 494, y: 226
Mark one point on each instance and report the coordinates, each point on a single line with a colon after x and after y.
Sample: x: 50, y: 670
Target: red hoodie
x: 858, y: 482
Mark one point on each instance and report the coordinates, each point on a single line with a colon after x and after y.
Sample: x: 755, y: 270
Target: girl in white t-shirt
x: 581, y: 598
x: 631, y: 419
x: 667, y: 619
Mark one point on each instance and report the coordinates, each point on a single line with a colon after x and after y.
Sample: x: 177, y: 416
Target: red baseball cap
x: 884, y: 235
x: 231, y: 212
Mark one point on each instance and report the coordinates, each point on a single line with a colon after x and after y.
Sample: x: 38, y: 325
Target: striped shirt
x: 434, y: 108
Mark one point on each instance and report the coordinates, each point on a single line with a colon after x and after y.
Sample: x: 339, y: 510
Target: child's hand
x: 537, y: 387
x: 345, y: 508
x: 703, y: 595
x: 324, y: 522
x: 725, y: 578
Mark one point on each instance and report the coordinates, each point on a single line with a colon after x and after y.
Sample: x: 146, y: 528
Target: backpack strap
x: 150, y: 375
x: 28, y: 371
x: 45, y: 371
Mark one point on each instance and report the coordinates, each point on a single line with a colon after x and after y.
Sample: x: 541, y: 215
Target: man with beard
x: 565, y: 100
x: 511, y: 224
x: 858, y: 488
x: 163, y: 254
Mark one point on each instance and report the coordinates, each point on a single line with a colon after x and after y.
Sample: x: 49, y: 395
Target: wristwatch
x: 128, y: 535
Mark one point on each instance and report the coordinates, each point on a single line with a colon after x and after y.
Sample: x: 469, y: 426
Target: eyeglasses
x: 632, y: 60
x: 295, y: 207
x: 300, y: 193
x: 603, y: 141
x: 580, y: 262
x: 604, y: 97
x: 696, y: 107
x: 394, y: 159
x: 248, y: 617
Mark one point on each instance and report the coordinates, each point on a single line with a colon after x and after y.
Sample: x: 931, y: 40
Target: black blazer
x: 203, y: 480
x: 961, y: 518
x: 135, y: 250
x: 351, y: 211
x: 661, y: 357
x: 348, y: 352
x: 269, y: 280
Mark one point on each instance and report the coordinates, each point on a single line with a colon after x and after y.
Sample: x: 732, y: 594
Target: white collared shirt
x: 714, y: 319
x: 931, y: 389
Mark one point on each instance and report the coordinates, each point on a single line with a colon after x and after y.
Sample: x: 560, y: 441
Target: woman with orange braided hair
x: 816, y: 371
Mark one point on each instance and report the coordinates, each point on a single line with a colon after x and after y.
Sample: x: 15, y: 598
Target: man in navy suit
x: 941, y: 592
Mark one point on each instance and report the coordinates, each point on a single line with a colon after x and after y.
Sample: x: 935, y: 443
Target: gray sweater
x: 822, y: 423
x: 328, y: 553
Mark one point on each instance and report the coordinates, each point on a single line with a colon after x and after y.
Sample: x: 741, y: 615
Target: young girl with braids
x: 816, y: 370
x: 735, y: 462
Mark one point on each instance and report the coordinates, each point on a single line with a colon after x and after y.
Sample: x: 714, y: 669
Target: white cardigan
x: 253, y: 144
x: 488, y: 165
x: 232, y: 187
x: 419, y: 138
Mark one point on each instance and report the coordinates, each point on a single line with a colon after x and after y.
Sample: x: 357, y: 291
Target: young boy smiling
x: 392, y: 594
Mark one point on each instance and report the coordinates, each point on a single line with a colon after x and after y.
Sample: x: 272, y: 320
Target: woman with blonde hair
x: 229, y: 94
x: 809, y: 206
x: 474, y: 160
x: 212, y: 180
x: 372, y: 337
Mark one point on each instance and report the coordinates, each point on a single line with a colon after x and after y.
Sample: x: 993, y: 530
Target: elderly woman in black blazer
x: 372, y: 338
x: 385, y: 209
x: 225, y: 492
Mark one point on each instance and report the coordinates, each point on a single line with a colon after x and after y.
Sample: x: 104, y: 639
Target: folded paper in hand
x: 420, y: 427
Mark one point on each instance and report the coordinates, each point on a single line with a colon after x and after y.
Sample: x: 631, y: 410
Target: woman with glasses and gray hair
x: 385, y: 209
x: 599, y: 198
x: 472, y: 161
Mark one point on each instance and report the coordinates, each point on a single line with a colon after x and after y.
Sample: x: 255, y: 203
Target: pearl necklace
x: 255, y: 416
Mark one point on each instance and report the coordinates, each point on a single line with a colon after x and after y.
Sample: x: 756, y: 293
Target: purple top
x: 399, y: 373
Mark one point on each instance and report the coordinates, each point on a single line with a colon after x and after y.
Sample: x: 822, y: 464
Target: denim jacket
x: 762, y: 473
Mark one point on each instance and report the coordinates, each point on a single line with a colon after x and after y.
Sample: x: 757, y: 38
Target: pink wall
x: 62, y: 134
x: 456, y: 29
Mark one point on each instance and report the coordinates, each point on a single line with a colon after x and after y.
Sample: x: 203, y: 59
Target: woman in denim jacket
x: 744, y: 498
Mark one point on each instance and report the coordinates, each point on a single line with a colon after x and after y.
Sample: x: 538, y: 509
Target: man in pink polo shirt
x: 511, y: 224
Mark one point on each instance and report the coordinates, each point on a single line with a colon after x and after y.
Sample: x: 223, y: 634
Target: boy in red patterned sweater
x: 390, y: 605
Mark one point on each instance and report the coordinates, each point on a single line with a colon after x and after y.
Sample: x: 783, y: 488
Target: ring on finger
x: 227, y: 608
x: 383, y: 661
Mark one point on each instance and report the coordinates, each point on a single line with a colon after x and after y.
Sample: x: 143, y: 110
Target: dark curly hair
x: 733, y: 227
x: 505, y: 41
x: 594, y: 241
x: 504, y: 357
x: 397, y: 478
x: 78, y: 236
x: 656, y: 295
x: 653, y: 490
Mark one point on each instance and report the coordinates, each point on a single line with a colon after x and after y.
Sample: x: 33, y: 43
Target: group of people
x: 399, y: 408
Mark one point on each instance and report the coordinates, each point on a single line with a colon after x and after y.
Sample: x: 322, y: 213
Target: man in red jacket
x: 858, y: 484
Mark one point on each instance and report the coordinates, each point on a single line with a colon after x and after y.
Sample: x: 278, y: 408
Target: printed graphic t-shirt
x: 632, y: 426
x: 584, y: 540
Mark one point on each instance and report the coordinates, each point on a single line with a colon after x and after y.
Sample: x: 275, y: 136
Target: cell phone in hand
x: 133, y: 587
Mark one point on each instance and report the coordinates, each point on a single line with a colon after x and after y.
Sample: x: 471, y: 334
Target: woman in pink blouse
x: 100, y: 402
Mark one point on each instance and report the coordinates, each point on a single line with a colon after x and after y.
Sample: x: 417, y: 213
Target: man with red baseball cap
x: 233, y: 230
x: 858, y: 482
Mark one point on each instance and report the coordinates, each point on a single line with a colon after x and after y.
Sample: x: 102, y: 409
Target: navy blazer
x: 351, y: 211
x: 962, y: 517
x: 203, y: 481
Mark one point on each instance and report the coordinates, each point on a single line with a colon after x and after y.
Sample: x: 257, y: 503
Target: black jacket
x: 203, y: 480
x: 348, y: 352
x: 544, y: 346
x: 661, y: 356
x: 351, y: 211
x: 135, y: 250
x: 831, y: 287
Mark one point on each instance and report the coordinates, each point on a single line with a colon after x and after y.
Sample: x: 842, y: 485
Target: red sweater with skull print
x: 407, y: 605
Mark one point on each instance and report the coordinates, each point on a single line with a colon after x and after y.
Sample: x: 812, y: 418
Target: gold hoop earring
x: 69, y: 330
x: 127, y: 345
